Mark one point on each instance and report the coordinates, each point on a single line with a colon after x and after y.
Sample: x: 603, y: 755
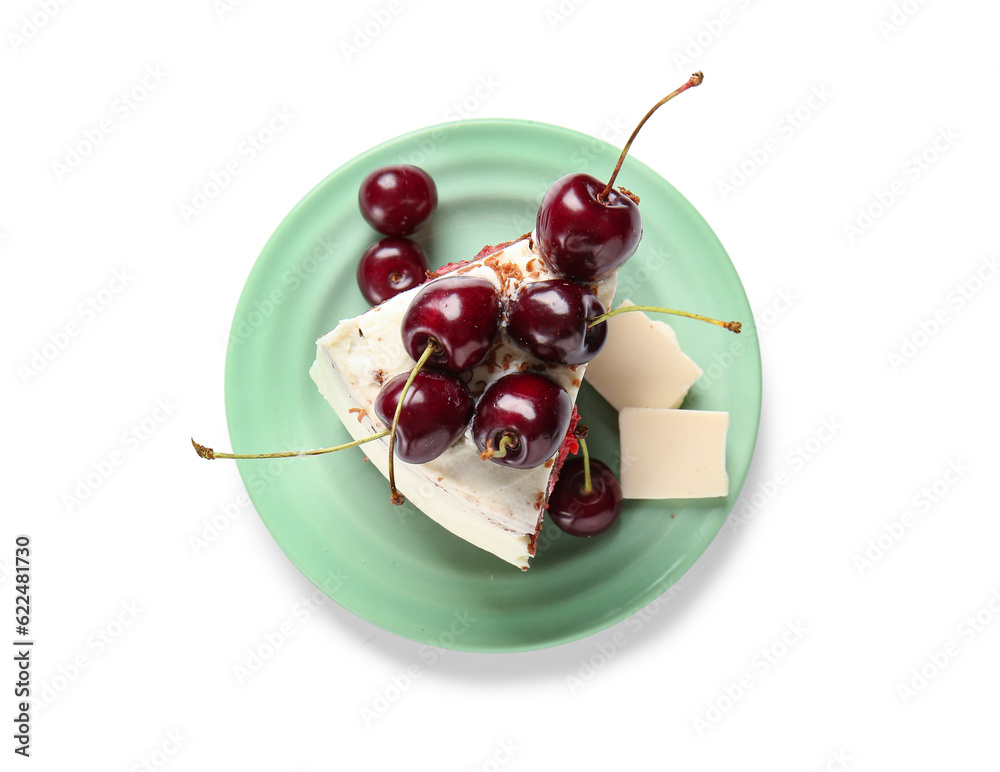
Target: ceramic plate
x: 331, y: 514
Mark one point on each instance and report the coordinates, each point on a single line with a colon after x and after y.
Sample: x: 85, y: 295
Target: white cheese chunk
x: 673, y: 454
x: 641, y: 364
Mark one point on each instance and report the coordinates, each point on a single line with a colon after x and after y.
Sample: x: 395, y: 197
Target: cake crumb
x: 539, y: 500
x: 550, y: 462
x: 379, y: 376
x: 577, y: 382
x: 360, y: 411
x: 506, y: 360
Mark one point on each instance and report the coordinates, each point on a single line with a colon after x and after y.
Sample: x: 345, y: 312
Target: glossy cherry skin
x: 461, y: 314
x: 584, y: 238
x: 396, y: 200
x: 549, y: 319
x: 390, y: 266
x: 436, y: 412
x: 585, y: 514
x: 533, y: 410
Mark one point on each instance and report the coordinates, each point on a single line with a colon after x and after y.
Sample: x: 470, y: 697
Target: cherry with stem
x: 587, y: 497
x: 395, y: 496
x: 585, y: 229
x: 694, y: 80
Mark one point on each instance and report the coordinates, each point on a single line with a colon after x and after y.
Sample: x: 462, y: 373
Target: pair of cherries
x: 395, y: 201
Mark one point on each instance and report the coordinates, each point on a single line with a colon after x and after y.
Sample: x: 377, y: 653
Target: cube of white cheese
x: 673, y: 454
x: 641, y: 364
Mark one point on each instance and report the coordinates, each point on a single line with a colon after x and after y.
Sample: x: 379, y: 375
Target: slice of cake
x: 495, y: 507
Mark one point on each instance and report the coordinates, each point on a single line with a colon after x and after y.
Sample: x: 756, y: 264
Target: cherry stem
x: 395, y: 496
x: 210, y: 454
x: 731, y: 326
x: 693, y: 81
x: 587, y: 486
x: 506, y: 441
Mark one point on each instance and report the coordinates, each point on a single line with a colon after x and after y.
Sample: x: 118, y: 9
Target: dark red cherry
x: 461, y: 314
x: 390, y: 266
x: 436, y: 411
x: 582, y: 235
x: 585, y: 514
x: 531, y: 411
x: 396, y: 200
x: 585, y: 228
x: 549, y: 319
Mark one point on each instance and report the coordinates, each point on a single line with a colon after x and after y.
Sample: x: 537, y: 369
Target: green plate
x: 331, y: 514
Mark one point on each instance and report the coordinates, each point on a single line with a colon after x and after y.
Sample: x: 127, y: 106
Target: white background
x: 851, y: 621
